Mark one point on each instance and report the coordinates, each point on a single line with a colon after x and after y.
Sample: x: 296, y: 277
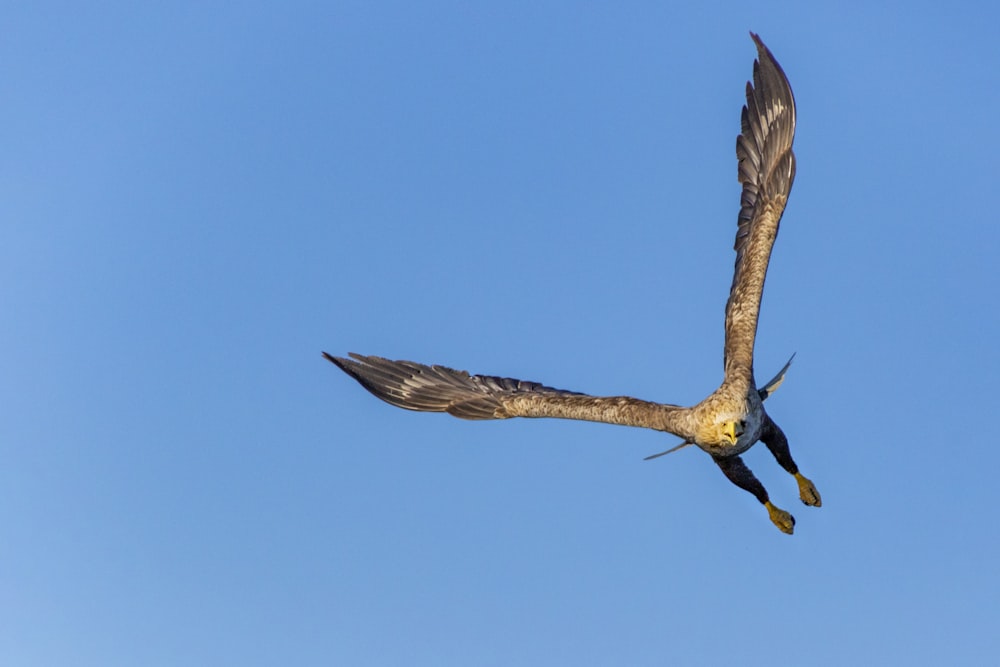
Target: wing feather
x: 414, y: 386
x: 766, y: 169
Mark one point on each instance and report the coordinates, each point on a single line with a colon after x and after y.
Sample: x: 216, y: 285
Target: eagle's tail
x: 775, y: 382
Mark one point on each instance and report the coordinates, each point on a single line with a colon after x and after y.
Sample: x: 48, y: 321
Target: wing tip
x: 336, y: 361
x: 343, y: 363
x: 766, y: 59
x: 762, y: 49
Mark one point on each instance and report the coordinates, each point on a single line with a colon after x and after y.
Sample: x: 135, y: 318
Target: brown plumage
x: 731, y: 419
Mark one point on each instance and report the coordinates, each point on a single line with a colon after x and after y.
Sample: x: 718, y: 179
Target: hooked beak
x: 733, y: 431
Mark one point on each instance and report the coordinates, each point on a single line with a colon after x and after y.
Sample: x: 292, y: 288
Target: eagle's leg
x: 740, y: 475
x: 776, y: 441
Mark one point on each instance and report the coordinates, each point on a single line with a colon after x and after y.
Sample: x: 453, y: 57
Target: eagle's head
x: 725, y: 432
x: 731, y: 430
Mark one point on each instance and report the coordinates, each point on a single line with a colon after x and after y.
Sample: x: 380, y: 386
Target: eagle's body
x: 732, y: 418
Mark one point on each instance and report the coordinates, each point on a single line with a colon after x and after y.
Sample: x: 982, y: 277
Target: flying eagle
x: 732, y: 418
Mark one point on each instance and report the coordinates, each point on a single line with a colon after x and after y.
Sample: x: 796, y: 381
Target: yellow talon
x: 780, y: 518
x: 807, y: 491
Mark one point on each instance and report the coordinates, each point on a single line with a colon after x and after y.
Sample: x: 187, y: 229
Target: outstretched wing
x: 766, y: 170
x: 414, y: 386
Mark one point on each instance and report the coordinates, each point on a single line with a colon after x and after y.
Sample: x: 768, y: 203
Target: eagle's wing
x: 414, y: 386
x: 766, y: 170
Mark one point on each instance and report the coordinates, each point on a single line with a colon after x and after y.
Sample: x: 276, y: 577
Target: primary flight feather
x: 732, y: 418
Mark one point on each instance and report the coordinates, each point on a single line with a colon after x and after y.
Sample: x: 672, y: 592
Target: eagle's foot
x: 807, y: 491
x: 780, y: 518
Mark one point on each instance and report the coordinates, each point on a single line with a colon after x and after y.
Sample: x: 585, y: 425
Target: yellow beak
x: 733, y: 431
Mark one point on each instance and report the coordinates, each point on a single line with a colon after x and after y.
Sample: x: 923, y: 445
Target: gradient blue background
x: 196, y: 199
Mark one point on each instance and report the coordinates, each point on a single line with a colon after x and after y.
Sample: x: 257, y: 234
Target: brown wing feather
x: 766, y: 170
x: 413, y: 386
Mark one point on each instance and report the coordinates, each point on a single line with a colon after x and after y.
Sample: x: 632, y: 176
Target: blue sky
x: 199, y: 198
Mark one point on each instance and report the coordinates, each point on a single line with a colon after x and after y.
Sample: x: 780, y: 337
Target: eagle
x: 732, y: 418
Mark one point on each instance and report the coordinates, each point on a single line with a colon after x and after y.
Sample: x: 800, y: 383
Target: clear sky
x: 198, y: 198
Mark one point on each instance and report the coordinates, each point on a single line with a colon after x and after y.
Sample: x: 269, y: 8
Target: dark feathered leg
x: 776, y: 441
x: 740, y: 475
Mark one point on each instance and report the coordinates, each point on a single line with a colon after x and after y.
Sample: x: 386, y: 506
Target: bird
x: 729, y: 420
